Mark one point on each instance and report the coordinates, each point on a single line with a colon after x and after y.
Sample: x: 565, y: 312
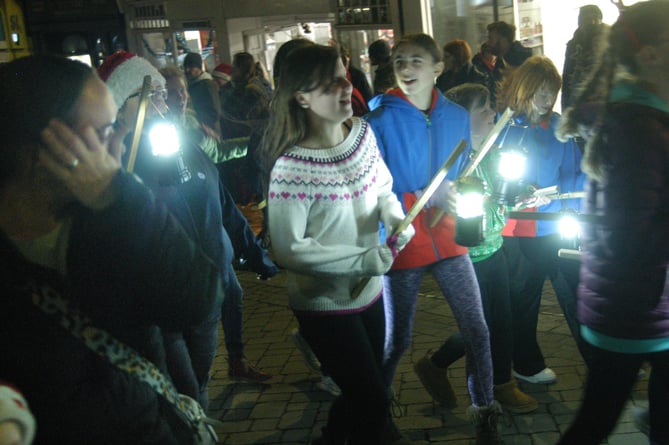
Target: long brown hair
x: 305, y: 69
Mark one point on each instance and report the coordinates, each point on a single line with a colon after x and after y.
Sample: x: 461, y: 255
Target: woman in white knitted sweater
x: 328, y: 189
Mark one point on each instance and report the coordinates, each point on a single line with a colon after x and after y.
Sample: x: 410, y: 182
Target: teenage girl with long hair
x: 328, y: 189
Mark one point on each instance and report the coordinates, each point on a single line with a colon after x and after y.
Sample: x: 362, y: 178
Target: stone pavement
x: 290, y: 409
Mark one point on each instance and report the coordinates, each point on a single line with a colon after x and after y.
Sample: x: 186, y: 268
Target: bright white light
x: 569, y: 227
x: 83, y: 58
x: 511, y: 164
x: 469, y: 205
x: 164, y: 139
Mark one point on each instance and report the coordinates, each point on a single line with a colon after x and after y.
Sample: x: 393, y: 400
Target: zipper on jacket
x: 429, y: 176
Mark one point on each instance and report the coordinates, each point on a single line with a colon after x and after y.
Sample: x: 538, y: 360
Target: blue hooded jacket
x: 414, y: 144
x: 549, y: 162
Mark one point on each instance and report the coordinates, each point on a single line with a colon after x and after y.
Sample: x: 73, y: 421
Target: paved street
x: 290, y: 409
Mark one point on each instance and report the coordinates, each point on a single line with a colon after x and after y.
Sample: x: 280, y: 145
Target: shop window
x: 363, y: 12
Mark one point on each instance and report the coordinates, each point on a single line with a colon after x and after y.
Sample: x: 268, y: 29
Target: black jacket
x: 467, y: 74
x: 515, y: 57
x: 131, y: 268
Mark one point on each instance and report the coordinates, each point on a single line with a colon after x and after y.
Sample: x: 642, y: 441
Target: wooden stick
x: 485, y: 147
x: 555, y: 216
x: 417, y: 206
x: 567, y: 195
x: 139, y: 122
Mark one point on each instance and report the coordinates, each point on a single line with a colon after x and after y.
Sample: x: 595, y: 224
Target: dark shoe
x: 309, y: 357
x: 392, y: 435
x: 241, y: 369
x: 328, y: 385
x: 485, y: 420
x: 436, y: 383
x: 513, y: 399
x: 326, y: 439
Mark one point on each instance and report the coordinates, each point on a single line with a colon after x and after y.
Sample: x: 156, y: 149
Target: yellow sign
x: 15, y: 41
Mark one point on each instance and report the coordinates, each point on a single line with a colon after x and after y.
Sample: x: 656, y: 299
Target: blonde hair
x: 518, y: 88
x: 171, y: 71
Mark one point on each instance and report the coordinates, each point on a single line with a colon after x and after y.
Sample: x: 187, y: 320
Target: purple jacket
x: 623, y: 291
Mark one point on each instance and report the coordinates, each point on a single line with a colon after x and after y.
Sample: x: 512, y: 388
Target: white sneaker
x: 544, y: 377
x: 329, y: 385
x: 309, y: 357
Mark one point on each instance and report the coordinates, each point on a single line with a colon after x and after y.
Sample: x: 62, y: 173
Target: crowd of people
x: 120, y: 247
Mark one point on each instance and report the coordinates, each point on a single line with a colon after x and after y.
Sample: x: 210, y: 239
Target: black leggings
x: 350, y: 347
x: 611, y: 377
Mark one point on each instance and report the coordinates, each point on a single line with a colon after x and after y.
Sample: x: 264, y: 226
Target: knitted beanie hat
x: 124, y: 72
x: 13, y: 407
x: 193, y: 60
x: 223, y: 71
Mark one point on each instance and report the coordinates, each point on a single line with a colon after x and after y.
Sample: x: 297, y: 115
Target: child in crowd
x: 417, y: 129
x: 328, y: 189
x: 531, y: 246
x: 492, y: 273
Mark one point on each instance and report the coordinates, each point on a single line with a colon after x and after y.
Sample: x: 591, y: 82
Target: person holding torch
x: 531, y: 246
x: 417, y: 129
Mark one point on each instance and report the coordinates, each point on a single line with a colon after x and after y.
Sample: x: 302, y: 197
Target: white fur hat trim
x: 128, y: 77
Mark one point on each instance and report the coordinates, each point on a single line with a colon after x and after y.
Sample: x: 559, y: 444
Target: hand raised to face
x: 83, y: 163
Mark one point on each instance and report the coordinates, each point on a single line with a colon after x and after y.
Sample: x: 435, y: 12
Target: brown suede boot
x: 435, y: 381
x: 513, y: 399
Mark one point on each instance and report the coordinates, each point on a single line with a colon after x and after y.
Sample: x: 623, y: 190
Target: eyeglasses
x: 157, y: 96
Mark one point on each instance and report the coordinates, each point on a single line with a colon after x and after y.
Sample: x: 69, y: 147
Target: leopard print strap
x: 110, y: 349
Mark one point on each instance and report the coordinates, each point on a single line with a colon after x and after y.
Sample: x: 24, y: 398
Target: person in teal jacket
x: 417, y: 128
x: 531, y: 246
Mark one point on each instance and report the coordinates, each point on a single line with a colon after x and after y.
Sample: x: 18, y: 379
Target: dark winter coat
x: 467, y: 74
x: 623, y: 291
x: 579, y: 59
x: 206, y: 101
x: 131, y: 268
x: 515, y: 57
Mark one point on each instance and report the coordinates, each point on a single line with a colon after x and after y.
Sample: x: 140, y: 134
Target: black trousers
x: 350, y: 347
x: 532, y: 261
x: 611, y: 377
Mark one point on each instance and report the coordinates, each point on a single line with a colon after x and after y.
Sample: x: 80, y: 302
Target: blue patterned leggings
x: 457, y: 281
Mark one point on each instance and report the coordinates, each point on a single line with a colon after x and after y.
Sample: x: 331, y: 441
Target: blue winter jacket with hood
x: 549, y: 162
x: 414, y: 144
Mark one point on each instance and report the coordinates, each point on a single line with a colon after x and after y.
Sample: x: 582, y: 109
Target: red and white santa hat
x: 223, y: 71
x: 124, y: 72
x: 14, y: 408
